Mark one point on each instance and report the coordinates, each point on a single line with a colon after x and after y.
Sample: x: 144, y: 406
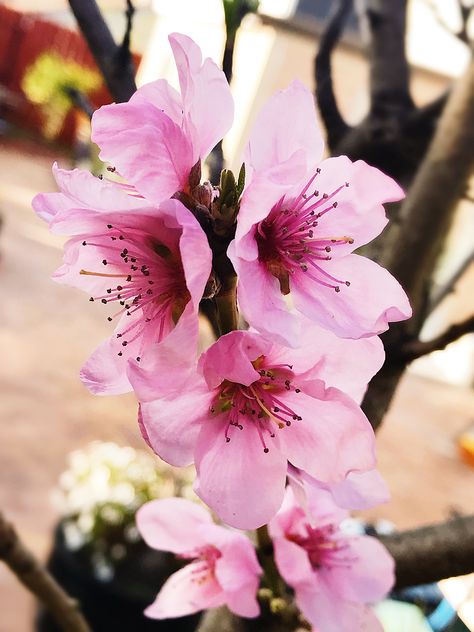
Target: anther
x: 104, y: 261
x: 104, y: 301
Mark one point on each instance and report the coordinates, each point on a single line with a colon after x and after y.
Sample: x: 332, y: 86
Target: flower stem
x: 226, y: 303
x: 267, y: 560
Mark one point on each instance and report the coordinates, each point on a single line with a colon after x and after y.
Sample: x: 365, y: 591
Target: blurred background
x: 47, y: 331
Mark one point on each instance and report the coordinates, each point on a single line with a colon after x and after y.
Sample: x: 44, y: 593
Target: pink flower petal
x: 80, y: 189
x: 292, y: 562
x: 238, y: 573
x: 241, y: 483
x: 333, y: 438
x: 370, y: 575
x: 105, y: 372
x: 346, y: 364
x: 173, y: 524
x: 359, y: 213
x: 183, y: 594
x: 262, y: 304
x: 173, y: 425
x: 232, y: 358
x: 168, y: 369
x: 163, y: 97
x: 273, y: 140
x: 196, y: 256
x: 361, y: 490
x: 373, y: 299
x: 328, y: 613
x: 148, y: 149
x: 315, y: 498
x: 207, y: 101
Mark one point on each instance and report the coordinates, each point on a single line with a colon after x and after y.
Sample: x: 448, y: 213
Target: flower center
x: 290, y: 240
x: 324, y: 548
x: 204, y: 564
x: 149, y: 278
x: 260, y: 404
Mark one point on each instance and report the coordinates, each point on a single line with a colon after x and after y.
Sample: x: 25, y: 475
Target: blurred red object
x: 23, y: 38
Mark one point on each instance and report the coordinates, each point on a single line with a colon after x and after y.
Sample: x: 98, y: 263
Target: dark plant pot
x: 116, y: 604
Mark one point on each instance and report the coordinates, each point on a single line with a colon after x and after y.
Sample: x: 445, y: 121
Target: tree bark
x: 412, y: 249
x: 432, y: 553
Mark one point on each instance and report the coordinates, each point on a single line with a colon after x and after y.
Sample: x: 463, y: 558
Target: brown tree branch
x: 450, y: 285
x: 336, y: 127
x: 417, y: 348
x: 117, y: 69
x: 389, y: 69
x: 429, y: 554
x: 438, y: 186
x: 426, y: 215
x: 38, y: 581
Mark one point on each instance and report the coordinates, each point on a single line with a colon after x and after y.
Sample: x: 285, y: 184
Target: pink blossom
x: 155, y: 139
x: 151, y: 263
x: 335, y: 575
x: 223, y: 568
x: 248, y: 409
x: 300, y: 219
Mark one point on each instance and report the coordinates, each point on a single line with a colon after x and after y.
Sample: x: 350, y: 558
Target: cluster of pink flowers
x: 270, y: 416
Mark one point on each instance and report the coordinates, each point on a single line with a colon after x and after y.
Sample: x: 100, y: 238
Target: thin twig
x: 124, y: 51
x: 31, y: 574
x: 336, y: 127
x: 450, y: 285
x: 417, y: 348
x: 428, y: 113
x: 80, y: 100
x: 118, y: 73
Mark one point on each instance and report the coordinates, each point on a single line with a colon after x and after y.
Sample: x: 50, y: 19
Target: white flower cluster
x: 103, y: 487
